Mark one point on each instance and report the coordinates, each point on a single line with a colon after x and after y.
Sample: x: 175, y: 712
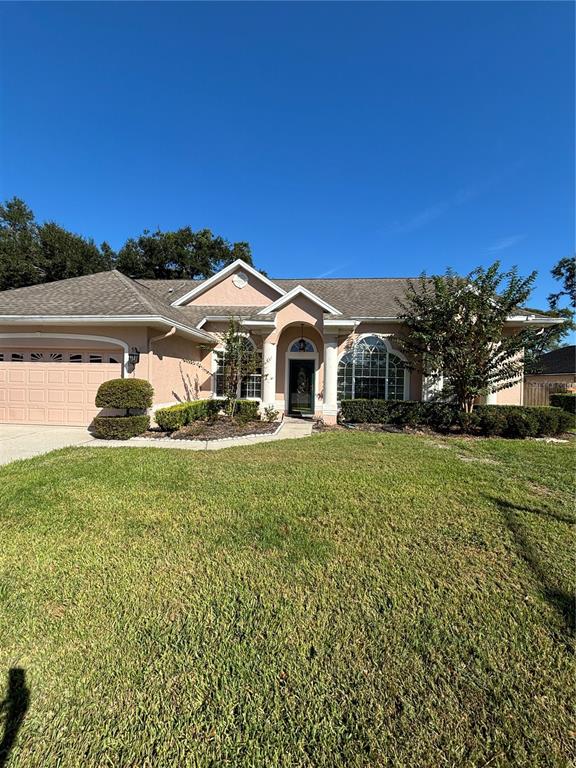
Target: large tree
x: 456, y: 332
x: 33, y: 253
x: 179, y: 254
x: 21, y: 260
x: 554, y: 336
x: 66, y: 254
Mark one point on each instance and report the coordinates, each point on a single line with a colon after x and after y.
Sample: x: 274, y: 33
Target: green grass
x: 345, y: 600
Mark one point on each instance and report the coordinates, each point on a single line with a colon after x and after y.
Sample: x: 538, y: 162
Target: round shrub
x: 492, y: 420
x: 520, y: 422
x: 119, y: 427
x: 548, y: 419
x: 125, y: 393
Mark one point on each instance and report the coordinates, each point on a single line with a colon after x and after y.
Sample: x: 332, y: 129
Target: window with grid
x: 370, y: 371
x: 251, y: 386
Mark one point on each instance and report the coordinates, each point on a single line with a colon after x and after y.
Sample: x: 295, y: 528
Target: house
x: 321, y: 340
x: 555, y: 371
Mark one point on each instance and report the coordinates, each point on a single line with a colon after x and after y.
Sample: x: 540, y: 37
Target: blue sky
x: 341, y: 139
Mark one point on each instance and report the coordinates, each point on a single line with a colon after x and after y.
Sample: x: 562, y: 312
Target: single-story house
x: 321, y: 340
x: 554, y: 371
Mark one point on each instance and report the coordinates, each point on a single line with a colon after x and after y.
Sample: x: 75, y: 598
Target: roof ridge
x: 135, y: 288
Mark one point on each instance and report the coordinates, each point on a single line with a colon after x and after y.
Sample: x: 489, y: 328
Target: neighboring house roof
x: 562, y: 360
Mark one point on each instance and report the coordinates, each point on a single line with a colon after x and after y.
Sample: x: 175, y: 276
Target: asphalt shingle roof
x: 108, y: 294
x: 562, y: 360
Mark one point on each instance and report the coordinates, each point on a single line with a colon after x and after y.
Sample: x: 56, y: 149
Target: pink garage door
x: 53, y: 386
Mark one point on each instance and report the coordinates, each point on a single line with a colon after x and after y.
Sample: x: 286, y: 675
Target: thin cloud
x: 435, y: 211
x: 506, y: 242
x: 330, y: 271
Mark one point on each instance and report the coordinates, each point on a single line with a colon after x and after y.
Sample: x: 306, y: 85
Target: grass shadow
x: 13, y: 708
x: 562, y: 602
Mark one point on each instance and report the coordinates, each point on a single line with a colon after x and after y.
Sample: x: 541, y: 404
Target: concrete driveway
x: 20, y: 441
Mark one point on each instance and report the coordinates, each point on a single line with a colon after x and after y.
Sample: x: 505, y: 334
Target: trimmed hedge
x: 125, y: 393
x: 505, y: 420
x: 120, y: 427
x: 564, y: 400
x: 177, y: 416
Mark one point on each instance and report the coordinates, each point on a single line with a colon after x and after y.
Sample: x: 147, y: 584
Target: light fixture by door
x: 302, y: 342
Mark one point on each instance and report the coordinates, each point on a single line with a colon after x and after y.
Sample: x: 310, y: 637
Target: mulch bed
x: 223, y: 427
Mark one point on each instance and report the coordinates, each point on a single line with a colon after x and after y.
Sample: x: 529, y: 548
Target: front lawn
x: 341, y: 601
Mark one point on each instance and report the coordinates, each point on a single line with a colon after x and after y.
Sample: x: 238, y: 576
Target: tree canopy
x: 32, y: 253
x: 456, y: 332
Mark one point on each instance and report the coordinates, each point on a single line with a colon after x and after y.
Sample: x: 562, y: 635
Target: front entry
x: 301, y: 387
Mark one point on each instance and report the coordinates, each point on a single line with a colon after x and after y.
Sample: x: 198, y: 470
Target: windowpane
x: 370, y: 371
x: 308, y: 346
x: 251, y: 386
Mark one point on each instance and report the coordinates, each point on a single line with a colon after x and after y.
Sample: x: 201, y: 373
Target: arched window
x: 297, y: 346
x: 370, y: 371
x: 251, y: 387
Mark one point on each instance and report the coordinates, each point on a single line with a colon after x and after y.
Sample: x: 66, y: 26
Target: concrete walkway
x: 291, y: 429
x: 22, y: 441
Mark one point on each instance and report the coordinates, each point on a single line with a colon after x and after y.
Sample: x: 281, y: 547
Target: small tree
x: 239, y: 361
x: 455, y: 330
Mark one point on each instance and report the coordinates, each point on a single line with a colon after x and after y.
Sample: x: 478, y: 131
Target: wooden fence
x: 538, y: 392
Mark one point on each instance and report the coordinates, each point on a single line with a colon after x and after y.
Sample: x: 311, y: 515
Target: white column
x: 431, y: 387
x: 269, y: 373
x: 491, y: 398
x: 330, y: 376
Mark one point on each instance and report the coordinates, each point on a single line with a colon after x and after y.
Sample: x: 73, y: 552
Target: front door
x: 301, y: 382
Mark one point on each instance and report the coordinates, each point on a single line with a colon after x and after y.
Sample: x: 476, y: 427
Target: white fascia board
x: 102, y: 320
x: 299, y: 290
x: 533, y: 320
x: 335, y: 323
x: 238, y: 264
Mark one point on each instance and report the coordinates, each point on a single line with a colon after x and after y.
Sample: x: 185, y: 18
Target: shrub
x: 171, y: 418
x: 365, y: 411
x: 180, y: 415
x: 119, y: 427
x: 491, y: 420
x: 246, y: 410
x: 270, y: 414
x: 506, y: 420
x: 520, y: 422
x: 565, y: 421
x: 564, y: 400
x: 130, y: 394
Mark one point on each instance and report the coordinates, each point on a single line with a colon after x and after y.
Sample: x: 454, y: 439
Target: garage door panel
x: 36, y: 377
x: 56, y: 392
x: 57, y: 377
x: 16, y: 374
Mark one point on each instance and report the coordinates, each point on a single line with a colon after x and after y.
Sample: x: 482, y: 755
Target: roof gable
x: 299, y: 290
x: 236, y: 266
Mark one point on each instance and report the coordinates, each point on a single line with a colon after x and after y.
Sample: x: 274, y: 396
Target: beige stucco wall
x: 254, y: 294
